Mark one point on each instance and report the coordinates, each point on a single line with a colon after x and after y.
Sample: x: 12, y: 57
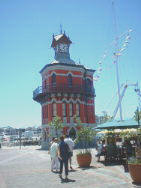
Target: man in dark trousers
x: 70, y: 143
x: 63, y: 155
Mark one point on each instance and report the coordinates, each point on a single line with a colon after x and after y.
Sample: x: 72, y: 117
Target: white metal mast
x: 122, y: 95
x: 116, y: 61
x: 138, y: 91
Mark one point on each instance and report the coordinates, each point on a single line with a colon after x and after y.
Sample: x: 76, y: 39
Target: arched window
x: 71, y: 109
x: 64, y: 109
x: 45, y: 83
x: 78, y: 109
x: 54, y: 112
x: 69, y: 80
x: 54, y: 80
x: 88, y: 84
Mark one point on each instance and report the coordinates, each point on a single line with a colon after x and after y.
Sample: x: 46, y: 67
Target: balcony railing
x: 62, y: 88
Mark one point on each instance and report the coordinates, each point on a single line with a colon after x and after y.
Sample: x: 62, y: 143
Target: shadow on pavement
x: 56, y: 172
x: 40, y: 149
x: 72, y: 170
x: 137, y: 184
x: 90, y: 167
x: 67, y: 181
x: 112, y: 163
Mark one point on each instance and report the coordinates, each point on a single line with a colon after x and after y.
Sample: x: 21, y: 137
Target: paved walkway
x: 102, y: 176
x: 30, y: 168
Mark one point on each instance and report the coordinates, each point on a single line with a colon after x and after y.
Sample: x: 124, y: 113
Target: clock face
x: 63, y: 47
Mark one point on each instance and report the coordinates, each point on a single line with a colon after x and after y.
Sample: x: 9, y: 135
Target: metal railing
x: 62, y: 88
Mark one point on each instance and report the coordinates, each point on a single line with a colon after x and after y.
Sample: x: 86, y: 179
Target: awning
x: 124, y: 124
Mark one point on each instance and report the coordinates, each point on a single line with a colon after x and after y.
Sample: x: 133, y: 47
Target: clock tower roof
x: 61, y: 38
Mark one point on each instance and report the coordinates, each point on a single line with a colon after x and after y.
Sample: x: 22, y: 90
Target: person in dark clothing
x: 63, y: 155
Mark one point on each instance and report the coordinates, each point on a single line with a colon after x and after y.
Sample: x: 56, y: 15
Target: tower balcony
x: 40, y: 92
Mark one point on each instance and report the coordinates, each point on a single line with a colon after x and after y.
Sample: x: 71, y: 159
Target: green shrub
x: 134, y: 160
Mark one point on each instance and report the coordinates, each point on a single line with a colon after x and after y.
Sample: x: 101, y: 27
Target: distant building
x: 67, y: 91
x: 99, y: 119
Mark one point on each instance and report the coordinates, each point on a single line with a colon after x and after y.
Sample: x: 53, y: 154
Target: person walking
x: 70, y: 143
x: 100, y: 149
x: 54, y: 155
x: 63, y: 154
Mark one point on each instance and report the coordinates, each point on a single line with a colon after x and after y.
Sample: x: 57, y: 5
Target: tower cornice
x: 64, y: 65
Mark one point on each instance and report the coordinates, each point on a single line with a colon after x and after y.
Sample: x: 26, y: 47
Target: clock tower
x: 61, y: 44
x: 67, y: 91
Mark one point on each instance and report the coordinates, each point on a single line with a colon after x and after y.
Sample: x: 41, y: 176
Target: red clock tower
x: 67, y: 91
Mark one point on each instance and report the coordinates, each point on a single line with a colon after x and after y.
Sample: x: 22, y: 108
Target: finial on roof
x: 53, y: 35
x: 60, y: 28
x: 64, y: 32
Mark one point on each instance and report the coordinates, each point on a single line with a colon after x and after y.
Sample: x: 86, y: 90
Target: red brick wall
x: 86, y: 111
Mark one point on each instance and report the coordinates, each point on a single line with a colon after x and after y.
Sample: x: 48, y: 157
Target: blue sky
x: 26, y: 29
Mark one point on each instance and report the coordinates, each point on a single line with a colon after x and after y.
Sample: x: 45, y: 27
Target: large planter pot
x: 135, y: 172
x: 84, y: 160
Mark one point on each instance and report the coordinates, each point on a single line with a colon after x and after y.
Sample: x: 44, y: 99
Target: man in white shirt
x: 70, y: 143
x: 54, y: 155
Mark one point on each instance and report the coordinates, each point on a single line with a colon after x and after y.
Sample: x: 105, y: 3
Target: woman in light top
x: 54, y: 156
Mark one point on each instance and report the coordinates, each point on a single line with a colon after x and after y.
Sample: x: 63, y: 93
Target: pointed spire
x: 53, y: 36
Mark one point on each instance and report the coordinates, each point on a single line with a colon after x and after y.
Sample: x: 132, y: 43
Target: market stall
x: 121, y: 139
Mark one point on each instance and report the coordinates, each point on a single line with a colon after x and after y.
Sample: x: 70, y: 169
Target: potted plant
x: 84, y: 138
x: 138, y: 148
x: 137, y: 117
x: 134, y: 163
x: 134, y: 166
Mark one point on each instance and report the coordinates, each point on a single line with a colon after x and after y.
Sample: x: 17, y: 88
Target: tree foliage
x: 85, y: 136
x: 57, y: 125
x: 137, y: 115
